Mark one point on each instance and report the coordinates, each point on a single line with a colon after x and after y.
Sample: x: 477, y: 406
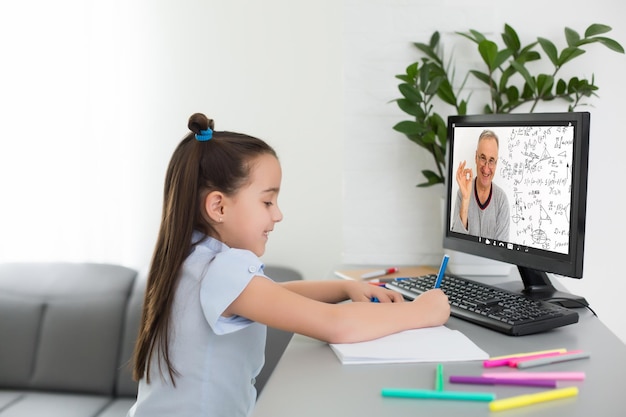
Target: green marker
x: 438, y: 395
x: 439, y: 378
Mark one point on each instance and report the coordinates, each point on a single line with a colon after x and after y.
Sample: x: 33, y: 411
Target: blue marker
x: 442, y: 270
x: 374, y: 300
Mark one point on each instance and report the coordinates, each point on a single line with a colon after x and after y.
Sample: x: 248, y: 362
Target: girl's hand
x: 363, y: 291
x: 434, y: 307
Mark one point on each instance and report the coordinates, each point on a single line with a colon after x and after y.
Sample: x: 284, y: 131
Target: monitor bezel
x: 570, y: 264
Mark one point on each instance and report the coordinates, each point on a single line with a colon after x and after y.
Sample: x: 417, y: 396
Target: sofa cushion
x: 61, y: 325
x: 19, y: 326
x: 7, y: 398
x: 117, y: 408
x: 56, y: 405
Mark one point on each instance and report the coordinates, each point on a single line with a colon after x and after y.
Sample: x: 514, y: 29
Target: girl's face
x: 250, y: 214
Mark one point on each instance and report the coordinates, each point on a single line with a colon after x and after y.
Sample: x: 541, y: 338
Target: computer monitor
x: 526, y: 196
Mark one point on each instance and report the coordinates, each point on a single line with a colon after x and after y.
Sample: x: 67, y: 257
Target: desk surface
x: 309, y: 380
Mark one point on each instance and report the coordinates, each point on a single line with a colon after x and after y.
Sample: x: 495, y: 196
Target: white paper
x: 433, y: 344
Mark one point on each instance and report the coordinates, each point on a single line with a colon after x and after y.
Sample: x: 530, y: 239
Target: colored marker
x: 557, y: 376
x: 492, y: 363
x: 529, y: 399
x: 439, y: 378
x: 552, y: 359
x: 517, y: 355
x: 513, y: 362
x: 438, y: 395
x: 506, y: 360
x: 481, y: 380
x: 386, y: 280
x: 374, y: 300
x: 442, y: 270
x: 380, y: 273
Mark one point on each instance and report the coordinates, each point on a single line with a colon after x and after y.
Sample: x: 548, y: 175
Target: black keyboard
x: 491, y: 307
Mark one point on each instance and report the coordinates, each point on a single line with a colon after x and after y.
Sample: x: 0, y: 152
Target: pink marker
x: 557, y: 376
x: 511, y: 361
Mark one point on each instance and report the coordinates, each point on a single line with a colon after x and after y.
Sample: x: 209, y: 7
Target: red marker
x: 380, y: 273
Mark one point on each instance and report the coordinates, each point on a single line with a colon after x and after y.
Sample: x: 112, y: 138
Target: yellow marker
x: 539, y: 352
x: 529, y: 399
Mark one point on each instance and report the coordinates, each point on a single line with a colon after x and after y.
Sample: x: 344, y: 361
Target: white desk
x: 309, y: 380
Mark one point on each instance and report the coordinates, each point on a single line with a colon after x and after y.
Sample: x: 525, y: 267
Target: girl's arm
x: 270, y: 303
x: 336, y: 291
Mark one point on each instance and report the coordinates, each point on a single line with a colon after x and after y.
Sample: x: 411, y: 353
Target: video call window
x: 534, y: 168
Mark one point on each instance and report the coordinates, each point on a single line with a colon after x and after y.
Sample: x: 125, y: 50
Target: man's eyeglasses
x: 482, y: 159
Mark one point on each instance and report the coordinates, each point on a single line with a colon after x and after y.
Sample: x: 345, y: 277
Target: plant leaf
x: 463, y: 107
x: 410, y: 93
x: 510, y: 38
x: 431, y: 177
x: 610, y: 43
x: 550, y: 50
x: 427, y: 50
x: 544, y: 85
x: 527, y: 55
x: 530, y: 82
x: 404, y: 78
x: 501, y: 57
x: 488, y: 51
x: 568, y: 54
x: 512, y: 94
x: 407, y: 127
x: 434, y: 40
x: 432, y: 87
x: 429, y: 138
x: 481, y: 76
x: 446, y: 93
x: 412, y: 70
x: 596, y: 29
x: 409, y: 107
x: 572, y: 37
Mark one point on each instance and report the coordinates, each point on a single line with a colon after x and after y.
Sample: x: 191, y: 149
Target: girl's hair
x: 198, y: 166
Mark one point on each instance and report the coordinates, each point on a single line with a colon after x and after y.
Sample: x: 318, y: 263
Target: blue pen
x: 374, y: 300
x: 442, y: 270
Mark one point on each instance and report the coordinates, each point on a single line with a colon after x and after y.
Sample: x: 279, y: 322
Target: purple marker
x: 463, y: 379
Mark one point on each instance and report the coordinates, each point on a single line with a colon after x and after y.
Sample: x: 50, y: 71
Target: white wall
x: 95, y: 96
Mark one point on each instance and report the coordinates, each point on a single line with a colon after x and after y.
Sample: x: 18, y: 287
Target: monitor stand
x: 537, y: 286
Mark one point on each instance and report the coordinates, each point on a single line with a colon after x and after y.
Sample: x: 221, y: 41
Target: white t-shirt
x: 216, y: 358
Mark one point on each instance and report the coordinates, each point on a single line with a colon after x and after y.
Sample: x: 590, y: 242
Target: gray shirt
x: 490, y: 221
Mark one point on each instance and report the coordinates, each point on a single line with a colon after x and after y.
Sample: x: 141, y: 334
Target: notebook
x: 433, y: 344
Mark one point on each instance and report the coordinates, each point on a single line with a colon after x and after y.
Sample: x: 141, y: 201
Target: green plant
x: 510, y: 81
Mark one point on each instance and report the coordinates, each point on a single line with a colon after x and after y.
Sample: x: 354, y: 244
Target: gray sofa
x: 67, y: 333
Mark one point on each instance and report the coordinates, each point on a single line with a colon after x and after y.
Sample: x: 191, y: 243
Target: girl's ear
x: 214, y: 206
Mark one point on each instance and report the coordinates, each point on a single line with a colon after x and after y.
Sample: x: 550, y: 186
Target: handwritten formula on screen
x: 534, y: 167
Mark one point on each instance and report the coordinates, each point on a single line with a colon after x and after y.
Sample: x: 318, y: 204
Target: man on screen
x: 482, y: 208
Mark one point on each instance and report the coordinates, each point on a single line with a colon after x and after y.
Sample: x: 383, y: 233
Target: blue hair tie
x: 204, y: 135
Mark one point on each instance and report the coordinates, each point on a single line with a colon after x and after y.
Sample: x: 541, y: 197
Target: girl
x: 208, y: 302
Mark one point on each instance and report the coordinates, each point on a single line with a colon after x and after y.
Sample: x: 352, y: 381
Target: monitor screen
x: 516, y: 192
